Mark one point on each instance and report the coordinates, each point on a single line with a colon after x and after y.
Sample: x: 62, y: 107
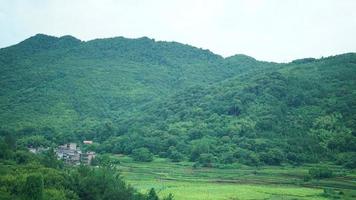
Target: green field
x: 236, y: 182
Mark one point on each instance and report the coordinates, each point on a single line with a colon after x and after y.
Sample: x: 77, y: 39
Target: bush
x: 351, y: 164
x: 320, y: 172
x: 104, y: 160
x: 348, y: 160
x: 227, y: 158
x: 142, y: 154
x: 272, y: 157
x: 174, y: 155
x: 152, y: 195
x: 169, y: 197
x: 33, y: 189
x: 206, y: 159
x: 23, y: 157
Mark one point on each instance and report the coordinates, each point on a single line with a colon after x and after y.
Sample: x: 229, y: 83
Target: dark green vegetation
x: 139, y: 96
x: 28, y: 176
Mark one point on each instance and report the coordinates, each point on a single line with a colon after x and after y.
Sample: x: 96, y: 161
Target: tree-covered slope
x: 140, y: 96
x: 304, y: 111
x: 66, y: 84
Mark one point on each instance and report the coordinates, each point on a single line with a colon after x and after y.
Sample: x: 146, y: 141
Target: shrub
x: 320, y: 172
x: 142, y: 154
x: 33, y: 189
x: 206, y: 159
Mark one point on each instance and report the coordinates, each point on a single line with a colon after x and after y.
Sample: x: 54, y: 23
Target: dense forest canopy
x: 147, y: 97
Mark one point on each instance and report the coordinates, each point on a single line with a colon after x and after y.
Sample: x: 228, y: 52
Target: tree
x: 23, y: 157
x: 201, y: 146
x: 142, y: 154
x: 105, y: 160
x: 206, y: 159
x: 320, y: 172
x: 33, y: 189
x: 54, y: 194
x: 174, y: 155
x: 102, y: 183
x: 50, y: 159
x: 10, y: 140
x: 152, y: 195
x: 169, y: 197
x: 351, y: 163
x: 34, y: 141
x: 5, y: 151
x: 227, y: 157
x: 272, y: 157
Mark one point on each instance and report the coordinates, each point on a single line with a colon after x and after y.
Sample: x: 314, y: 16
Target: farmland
x: 235, y: 182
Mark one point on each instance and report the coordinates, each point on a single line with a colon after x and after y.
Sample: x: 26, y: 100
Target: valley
x: 185, y: 122
x: 234, y: 182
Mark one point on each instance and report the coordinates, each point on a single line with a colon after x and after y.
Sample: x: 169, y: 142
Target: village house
x: 86, y: 158
x: 71, y: 154
x: 87, y: 142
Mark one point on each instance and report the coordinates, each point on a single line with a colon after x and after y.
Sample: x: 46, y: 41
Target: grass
x: 235, y: 182
x: 214, y: 191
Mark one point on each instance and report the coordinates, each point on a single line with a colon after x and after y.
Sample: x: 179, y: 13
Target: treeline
x: 28, y: 176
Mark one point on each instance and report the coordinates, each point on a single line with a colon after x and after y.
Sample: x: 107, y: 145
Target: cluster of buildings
x: 71, y: 154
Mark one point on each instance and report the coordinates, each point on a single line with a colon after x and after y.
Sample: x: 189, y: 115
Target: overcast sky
x: 272, y: 30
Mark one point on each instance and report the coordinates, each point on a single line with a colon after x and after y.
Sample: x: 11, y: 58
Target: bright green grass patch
x: 216, y: 191
x: 235, y: 182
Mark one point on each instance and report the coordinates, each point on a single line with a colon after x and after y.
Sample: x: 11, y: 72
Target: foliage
x: 142, y: 154
x: 152, y: 195
x: 30, y: 176
x: 169, y: 197
x: 142, y: 97
x: 105, y: 160
x: 320, y: 172
x: 49, y: 159
x: 33, y: 188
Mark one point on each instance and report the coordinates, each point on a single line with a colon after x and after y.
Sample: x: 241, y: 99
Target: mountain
x: 64, y: 83
x: 288, y: 113
x: 179, y: 101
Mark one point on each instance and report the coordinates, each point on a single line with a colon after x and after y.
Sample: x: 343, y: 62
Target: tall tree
x: 33, y: 189
x: 152, y: 195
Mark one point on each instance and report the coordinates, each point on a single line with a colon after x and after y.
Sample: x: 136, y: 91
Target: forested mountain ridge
x: 294, y: 112
x: 178, y: 101
x: 63, y: 83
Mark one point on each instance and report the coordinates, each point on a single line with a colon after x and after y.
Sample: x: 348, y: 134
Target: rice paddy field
x: 236, y: 182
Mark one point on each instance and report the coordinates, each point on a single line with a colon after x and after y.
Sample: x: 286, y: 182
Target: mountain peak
x: 69, y: 37
x: 41, y: 42
x: 40, y: 39
x: 240, y: 57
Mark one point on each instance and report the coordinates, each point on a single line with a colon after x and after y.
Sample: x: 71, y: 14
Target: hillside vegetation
x: 64, y: 84
x: 28, y: 176
x: 177, y: 101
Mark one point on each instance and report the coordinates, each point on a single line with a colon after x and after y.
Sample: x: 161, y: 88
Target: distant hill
x: 179, y: 101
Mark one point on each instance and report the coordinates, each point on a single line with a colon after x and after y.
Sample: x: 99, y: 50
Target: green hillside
x: 65, y: 84
x: 297, y: 112
x: 140, y: 96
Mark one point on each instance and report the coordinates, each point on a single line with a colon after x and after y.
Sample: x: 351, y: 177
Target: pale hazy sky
x: 273, y: 30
